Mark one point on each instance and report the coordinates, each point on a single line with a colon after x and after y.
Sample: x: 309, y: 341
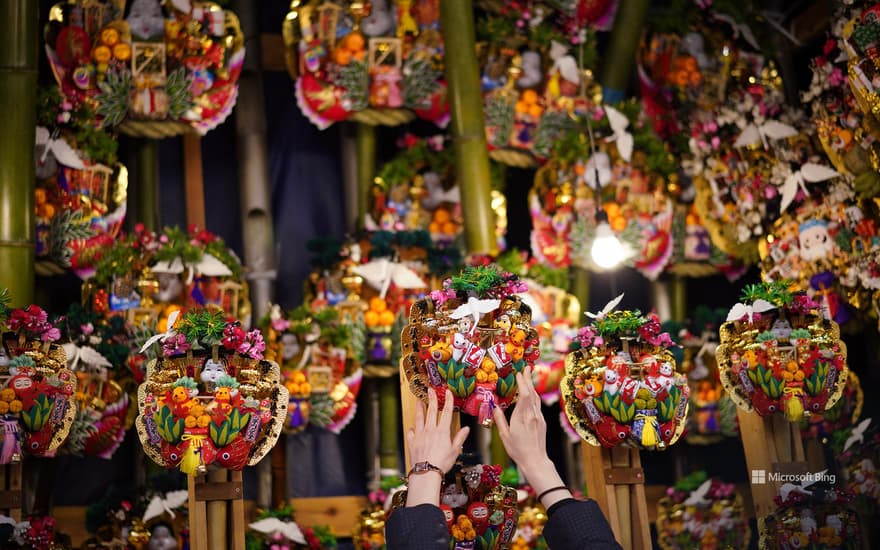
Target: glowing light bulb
x: 607, y: 250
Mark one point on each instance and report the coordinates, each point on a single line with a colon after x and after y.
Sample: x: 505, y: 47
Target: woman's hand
x: 525, y: 440
x: 429, y: 441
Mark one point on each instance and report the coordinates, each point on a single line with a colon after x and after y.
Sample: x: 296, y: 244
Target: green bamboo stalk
x: 580, y: 286
x: 389, y: 424
x: 18, y: 107
x: 678, y: 297
x: 467, y: 125
x: 497, y: 451
x: 146, y: 183
x: 366, y: 167
x: 625, y: 37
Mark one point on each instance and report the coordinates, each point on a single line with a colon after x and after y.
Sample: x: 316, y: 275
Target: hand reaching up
x: 525, y: 439
x: 429, y: 441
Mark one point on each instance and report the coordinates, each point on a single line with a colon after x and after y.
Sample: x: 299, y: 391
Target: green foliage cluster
x: 478, y: 280
x: 415, y: 159
x: 620, y: 323
x: 95, y: 143
x: 225, y: 433
x: 202, y: 327
x: 775, y: 292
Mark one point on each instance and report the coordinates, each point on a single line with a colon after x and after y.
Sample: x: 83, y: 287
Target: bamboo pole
x: 467, y: 125
x: 348, y: 151
x: 146, y: 182
x: 256, y: 196
x: 365, y: 144
x: 194, y: 181
x: 18, y: 92
x: 625, y: 36
x: 678, y: 299
x: 389, y: 426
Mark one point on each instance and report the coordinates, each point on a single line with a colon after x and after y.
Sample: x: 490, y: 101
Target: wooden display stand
x: 772, y: 444
x: 10, y: 490
x: 616, y: 481
x: 408, y: 404
x: 216, y: 511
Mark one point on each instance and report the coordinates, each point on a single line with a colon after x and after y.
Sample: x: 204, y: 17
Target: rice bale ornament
x: 36, y: 395
x: 480, y: 512
x: 778, y: 355
x: 472, y: 336
x: 210, y: 398
x: 621, y: 387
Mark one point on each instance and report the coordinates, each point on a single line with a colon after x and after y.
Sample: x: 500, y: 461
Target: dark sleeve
x: 574, y: 524
x: 422, y: 527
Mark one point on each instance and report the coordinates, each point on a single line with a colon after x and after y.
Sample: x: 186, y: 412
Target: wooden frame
x: 616, y: 481
x: 216, y: 511
x: 772, y: 444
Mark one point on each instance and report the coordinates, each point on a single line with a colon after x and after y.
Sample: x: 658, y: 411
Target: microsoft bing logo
x: 760, y: 477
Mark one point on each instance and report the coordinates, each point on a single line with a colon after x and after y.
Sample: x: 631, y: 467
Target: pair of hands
x: 524, y: 438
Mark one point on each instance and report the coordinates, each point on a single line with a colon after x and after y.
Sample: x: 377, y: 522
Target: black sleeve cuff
x: 578, y: 524
x: 422, y: 526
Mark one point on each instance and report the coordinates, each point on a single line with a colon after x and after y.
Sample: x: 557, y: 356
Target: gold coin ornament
x: 37, y: 405
x: 149, y: 69
x: 779, y: 355
x: 374, y: 63
x: 480, y: 511
x: 622, y: 387
x: 702, y: 512
x: 820, y: 517
x: 472, y: 337
x: 209, y: 399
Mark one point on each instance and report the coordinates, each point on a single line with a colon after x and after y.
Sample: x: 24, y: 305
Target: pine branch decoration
x: 550, y: 127
x: 66, y: 226
x: 499, y: 116
x: 178, y: 88
x: 113, y: 99
x: 355, y: 78
x: 420, y: 82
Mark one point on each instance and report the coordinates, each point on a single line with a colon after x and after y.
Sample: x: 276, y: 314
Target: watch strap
x: 424, y: 467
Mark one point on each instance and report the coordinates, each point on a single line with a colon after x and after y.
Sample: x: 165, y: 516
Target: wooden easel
x: 616, y: 481
x: 216, y: 511
x: 772, y: 444
x: 10, y: 490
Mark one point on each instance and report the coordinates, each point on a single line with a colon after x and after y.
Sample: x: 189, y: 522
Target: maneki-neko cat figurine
x: 210, y: 399
x: 779, y: 355
x: 472, y: 337
x: 36, y: 409
x: 621, y: 387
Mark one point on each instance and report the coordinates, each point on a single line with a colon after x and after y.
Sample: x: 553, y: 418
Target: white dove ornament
x: 808, y: 172
x: 172, y: 318
x: 698, y: 497
x: 857, y: 435
x: 475, y: 309
x: 738, y: 311
x: 772, y: 129
x: 609, y: 307
x: 165, y: 504
x: 620, y: 136
x: 600, y: 164
x: 288, y: 529
x: 61, y: 153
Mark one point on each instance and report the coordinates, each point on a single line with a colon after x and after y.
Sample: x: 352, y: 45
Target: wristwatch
x: 423, y: 467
